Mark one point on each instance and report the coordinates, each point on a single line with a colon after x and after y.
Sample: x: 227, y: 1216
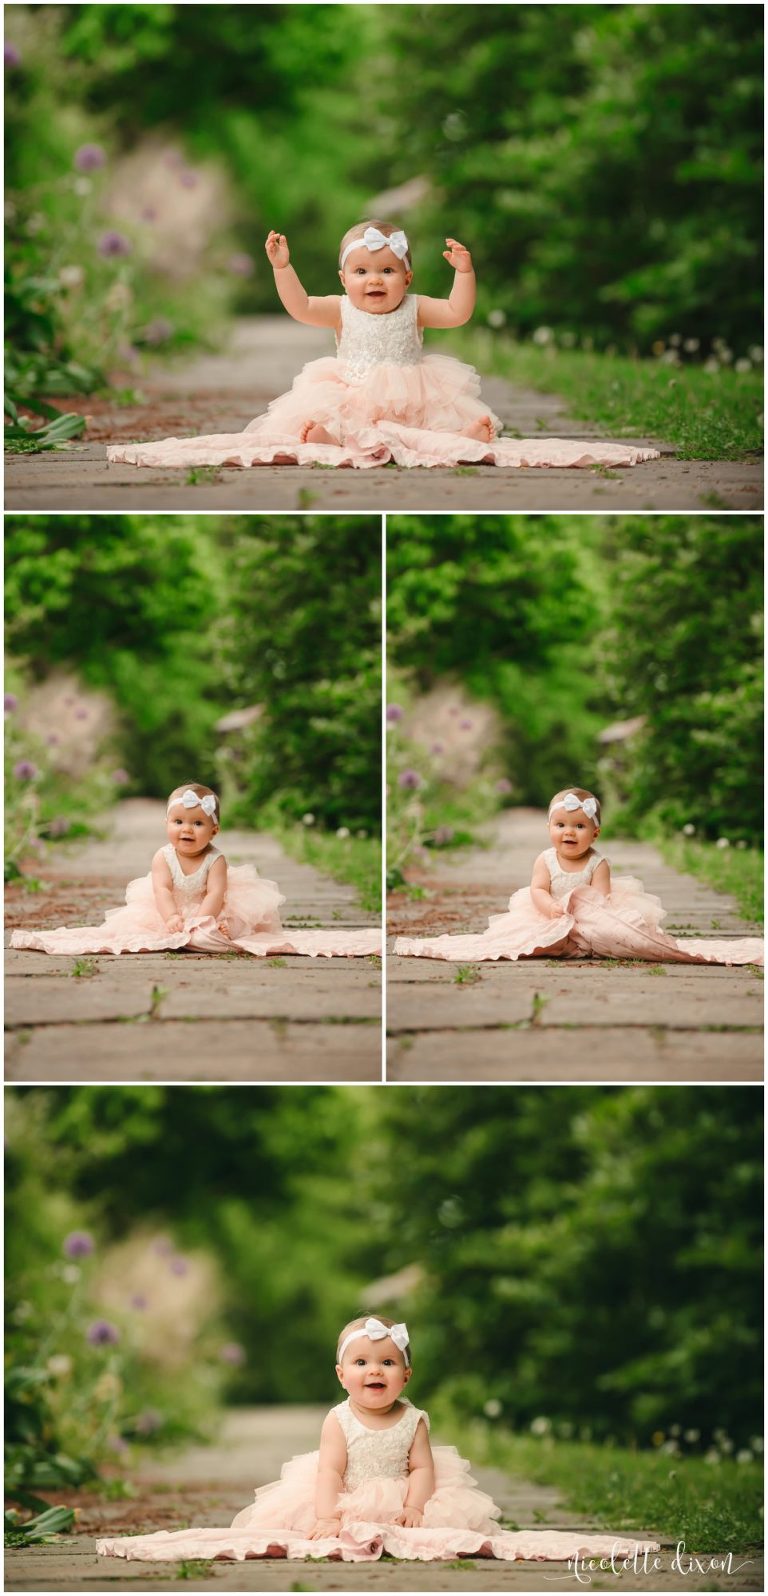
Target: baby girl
x: 377, y: 1484
x: 381, y: 398
x: 193, y: 898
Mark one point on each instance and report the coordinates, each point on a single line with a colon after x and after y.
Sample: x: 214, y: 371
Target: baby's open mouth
x: 375, y: 1385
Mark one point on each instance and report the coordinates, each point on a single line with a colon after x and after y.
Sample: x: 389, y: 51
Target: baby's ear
x: 408, y: 1373
x: 341, y: 277
x: 339, y: 1373
x: 408, y: 279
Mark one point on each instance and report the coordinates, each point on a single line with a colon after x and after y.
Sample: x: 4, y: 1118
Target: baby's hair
x: 202, y: 792
x: 579, y: 792
x: 387, y: 228
x: 359, y: 1324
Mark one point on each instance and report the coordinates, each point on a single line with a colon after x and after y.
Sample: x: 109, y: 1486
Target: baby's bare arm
x: 161, y: 886
x: 602, y: 878
x: 458, y: 308
x: 421, y: 1478
x: 313, y: 312
x: 541, y: 890
x: 332, y: 1463
x: 215, y: 889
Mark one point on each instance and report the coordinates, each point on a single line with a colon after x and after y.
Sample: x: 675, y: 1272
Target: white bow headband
x: 190, y: 800
x: 571, y: 802
x: 372, y: 239
x: 376, y: 1331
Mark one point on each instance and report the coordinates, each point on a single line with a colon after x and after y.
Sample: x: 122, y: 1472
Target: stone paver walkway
x: 566, y: 1020
x: 208, y: 1485
x: 223, y: 393
x: 186, y: 1016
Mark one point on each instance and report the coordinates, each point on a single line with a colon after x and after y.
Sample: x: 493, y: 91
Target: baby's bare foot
x: 312, y: 432
x: 483, y: 430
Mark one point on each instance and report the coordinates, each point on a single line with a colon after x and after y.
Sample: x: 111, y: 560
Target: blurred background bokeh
x: 602, y: 162
x: 576, y: 1264
x: 622, y: 654
x: 242, y: 652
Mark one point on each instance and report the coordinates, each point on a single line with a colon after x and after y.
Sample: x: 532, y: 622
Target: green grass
x: 705, y: 415
x: 713, y: 1508
x: 355, y: 861
x: 738, y: 871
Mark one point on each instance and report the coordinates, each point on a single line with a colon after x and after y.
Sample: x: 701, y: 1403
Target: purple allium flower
x: 188, y: 178
x: 240, y: 264
x: 81, y: 714
x: 120, y: 778
x: 503, y: 785
x: 147, y: 1422
x: 78, y: 1244
x: 116, y: 1443
x: 25, y: 770
x: 103, y: 1334
x: 11, y: 56
x: 11, y: 703
x: 89, y: 157
x: 59, y: 826
x: 437, y: 748
x: 179, y: 1266
x: 159, y: 330
x: 410, y: 780
x: 233, y: 1353
x: 52, y: 740
x: 149, y: 213
x: 394, y: 712
x: 139, y: 1301
x: 466, y: 725
x: 443, y: 835
x: 112, y: 243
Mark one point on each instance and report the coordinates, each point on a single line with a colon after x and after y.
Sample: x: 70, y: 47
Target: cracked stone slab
x: 199, y: 1050
x: 605, y: 1053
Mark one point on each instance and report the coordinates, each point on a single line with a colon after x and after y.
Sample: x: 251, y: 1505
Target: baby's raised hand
x: 324, y: 1528
x: 175, y: 923
x: 276, y: 247
x: 457, y: 256
x: 410, y: 1518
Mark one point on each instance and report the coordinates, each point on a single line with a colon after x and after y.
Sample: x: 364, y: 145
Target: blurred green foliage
x: 587, y: 1256
x: 569, y: 623
x: 602, y: 162
x: 183, y: 620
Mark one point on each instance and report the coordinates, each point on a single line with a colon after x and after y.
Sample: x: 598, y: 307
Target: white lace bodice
x: 189, y: 886
x: 373, y: 1453
x: 564, y: 881
x: 367, y: 340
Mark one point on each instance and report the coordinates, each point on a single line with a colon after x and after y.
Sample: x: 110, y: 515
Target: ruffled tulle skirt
x: 625, y: 925
x: 414, y: 415
x: 459, y: 1521
x: 251, y: 910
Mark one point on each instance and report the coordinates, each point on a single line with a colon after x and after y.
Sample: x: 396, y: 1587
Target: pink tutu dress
x: 625, y: 925
x: 385, y: 400
x: 459, y: 1520
x: 251, y: 909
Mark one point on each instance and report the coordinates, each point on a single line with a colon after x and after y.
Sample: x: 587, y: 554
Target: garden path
x: 208, y: 1485
x: 222, y: 393
x: 566, y: 1020
x: 186, y: 1016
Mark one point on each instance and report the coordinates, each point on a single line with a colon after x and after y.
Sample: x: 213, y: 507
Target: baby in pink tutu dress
x: 194, y: 899
x: 574, y: 909
x: 377, y: 1485
x: 380, y: 399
